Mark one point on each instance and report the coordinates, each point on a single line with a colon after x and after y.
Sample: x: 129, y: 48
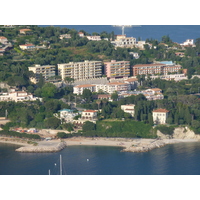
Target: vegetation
x: 118, y: 128
x: 180, y: 97
x: 19, y: 135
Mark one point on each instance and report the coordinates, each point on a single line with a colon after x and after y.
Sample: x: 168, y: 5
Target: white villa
x: 17, y: 96
x: 129, y: 108
x: 160, y: 116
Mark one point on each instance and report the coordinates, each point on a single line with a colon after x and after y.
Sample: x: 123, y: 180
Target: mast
x: 60, y: 165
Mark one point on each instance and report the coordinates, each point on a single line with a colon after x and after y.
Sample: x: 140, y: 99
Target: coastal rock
x: 180, y: 133
x: 40, y: 149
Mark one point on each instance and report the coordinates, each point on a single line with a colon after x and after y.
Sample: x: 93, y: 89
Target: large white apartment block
x: 80, y: 70
x: 107, y: 88
x: 129, y: 108
x: 123, y: 41
x: 115, y: 69
x: 47, y: 71
x: 160, y: 116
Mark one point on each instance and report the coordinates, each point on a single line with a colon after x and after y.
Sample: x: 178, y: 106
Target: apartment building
x: 79, y: 88
x: 123, y: 41
x: 46, y: 70
x: 107, y: 88
x: 160, y: 116
x: 80, y: 70
x: 117, y: 69
x: 157, y: 68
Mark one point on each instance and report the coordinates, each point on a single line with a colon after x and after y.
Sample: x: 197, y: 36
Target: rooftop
x: 89, y: 111
x: 83, y: 86
x: 161, y: 110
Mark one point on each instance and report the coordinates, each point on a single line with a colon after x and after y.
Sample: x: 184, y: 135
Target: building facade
x: 80, y: 70
x: 123, y: 41
x: 157, y: 68
x: 3, y: 39
x: 27, y: 46
x: 47, y: 71
x: 160, y: 116
x: 129, y: 108
x: 93, y: 37
x: 79, y: 88
x: 114, y: 69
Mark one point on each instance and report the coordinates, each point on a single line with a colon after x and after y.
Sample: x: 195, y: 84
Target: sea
x: 178, y: 33
x: 173, y: 159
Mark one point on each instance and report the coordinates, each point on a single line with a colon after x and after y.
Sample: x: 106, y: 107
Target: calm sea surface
x: 178, y: 33
x: 176, y: 159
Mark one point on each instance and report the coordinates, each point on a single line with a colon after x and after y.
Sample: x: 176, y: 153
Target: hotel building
x: 80, y: 70
x: 46, y: 71
x: 117, y: 69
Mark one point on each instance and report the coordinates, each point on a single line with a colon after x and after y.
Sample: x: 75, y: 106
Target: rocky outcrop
x: 179, y: 133
x: 40, y: 149
x: 142, y: 147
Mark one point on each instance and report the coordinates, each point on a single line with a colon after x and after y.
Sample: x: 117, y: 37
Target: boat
x: 61, y: 170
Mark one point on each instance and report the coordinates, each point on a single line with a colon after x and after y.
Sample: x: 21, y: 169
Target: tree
x: 52, y: 122
x: 114, y: 96
x: 87, y: 94
x: 48, y: 90
x: 89, y: 126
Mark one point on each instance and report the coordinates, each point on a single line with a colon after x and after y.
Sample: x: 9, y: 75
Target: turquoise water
x: 174, y: 159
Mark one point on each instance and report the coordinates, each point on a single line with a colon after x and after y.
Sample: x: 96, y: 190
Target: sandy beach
x: 128, y: 145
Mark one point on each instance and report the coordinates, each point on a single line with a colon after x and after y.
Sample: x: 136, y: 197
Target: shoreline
x: 128, y: 145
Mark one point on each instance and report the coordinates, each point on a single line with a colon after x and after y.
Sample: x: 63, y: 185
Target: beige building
x: 46, y: 71
x: 23, y: 31
x: 115, y: 69
x: 157, y: 68
x: 80, y: 70
x: 67, y: 36
x: 160, y: 116
x: 89, y: 115
x: 3, y: 39
x: 129, y: 108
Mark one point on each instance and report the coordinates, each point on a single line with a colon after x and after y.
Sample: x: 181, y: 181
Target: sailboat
x: 49, y: 172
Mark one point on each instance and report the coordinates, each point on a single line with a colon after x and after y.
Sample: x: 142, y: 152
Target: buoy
x: 87, y: 159
x: 55, y: 164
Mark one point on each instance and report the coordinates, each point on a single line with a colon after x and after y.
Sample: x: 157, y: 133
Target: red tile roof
x: 161, y: 110
x: 89, y: 111
x: 84, y: 86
